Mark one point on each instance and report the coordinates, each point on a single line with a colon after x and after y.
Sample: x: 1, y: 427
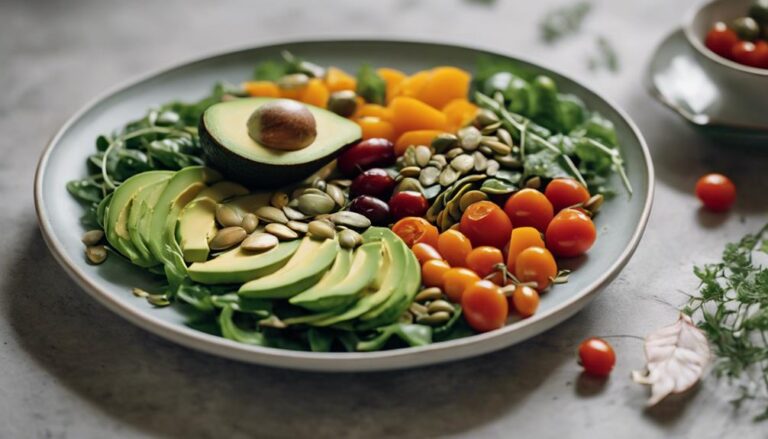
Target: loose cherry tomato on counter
x: 408, y: 203
x: 571, y: 233
x: 565, y: 192
x: 375, y: 182
x: 525, y: 300
x: 520, y: 239
x: 454, y: 247
x: 484, y: 223
x: 720, y: 39
x: 596, y: 356
x: 484, y: 259
x: 456, y: 280
x: 366, y: 154
x: 425, y: 252
x: 414, y: 230
x: 716, y: 191
x: 433, y: 273
x: 529, y: 208
x: 484, y: 305
x: 372, y: 208
x: 536, y: 264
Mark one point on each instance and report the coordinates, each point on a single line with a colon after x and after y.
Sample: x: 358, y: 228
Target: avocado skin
x: 257, y: 175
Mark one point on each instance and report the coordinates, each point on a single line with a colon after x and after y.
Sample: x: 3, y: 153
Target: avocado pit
x: 283, y: 124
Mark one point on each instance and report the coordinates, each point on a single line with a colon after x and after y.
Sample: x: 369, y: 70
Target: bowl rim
x: 324, y: 361
x: 688, y: 20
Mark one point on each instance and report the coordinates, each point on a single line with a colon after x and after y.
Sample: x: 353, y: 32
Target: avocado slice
x: 303, y: 270
x: 181, y: 189
x: 239, y: 266
x: 364, y: 268
x: 119, y: 210
x: 137, y: 217
x: 224, y: 137
x: 197, y: 221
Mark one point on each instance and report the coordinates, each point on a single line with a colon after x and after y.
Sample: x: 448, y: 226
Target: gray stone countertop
x: 72, y: 369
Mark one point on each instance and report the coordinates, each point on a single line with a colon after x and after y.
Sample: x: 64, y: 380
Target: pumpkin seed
x: 96, y: 254
x: 470, y: 198
x: 490, y: 129
x: 470, y: 138
x: 293, y: 81
x: 351, y: 219
x: 316, y: 204
x: 408, y: 184
x: 452, y: 154
x: 447, y: 221
x: 343, y: 183
x: 594, y: 203
x: 440, y: 305
x: 495, y: 186
x: 319, y: 184
x: 423, y: 154
x: 158, y: 300
x: 508, y: 161
x: 485, y: 150
x: 314, y: 190
x: 410, y: 171
x: 349, y: 238
x: 533, y: 182
x: 272, y: 322
x: 400, y: 162
x: 429, y: 294
x: 296, y: 193
x: 321, y: 229
x: 271, y: 214
x: 435, y: 208
x: 434, y: 319
x: 445, y: 141
x: 259, y: 242
x: 294, y: 203
x: 293, y: 214
x: 298, y: 227
x: 448, y: 176
x: 343, y: 103
x: 281, y: 231
x: 409, y: 156
x: 504, y: 137
x: 336, y: 194
x: 440, y: 160
x: 418, y: 309
x: 431, y: 192
x: 279, y: 199
x: 228, y: 237
x: 227, y: 216
x: 492, y: 168
x: 453, y: 209
x: 92, y: 237
x: 324, y: 217
x: 485, y: 117
x: 463, y: 163
x: 249, y: 223
x: 498, y: 147
x: 428, y: 176
x: 138, y: 292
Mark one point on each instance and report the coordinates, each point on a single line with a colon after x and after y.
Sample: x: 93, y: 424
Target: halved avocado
x: 224, y: 136
x: 239, y: 266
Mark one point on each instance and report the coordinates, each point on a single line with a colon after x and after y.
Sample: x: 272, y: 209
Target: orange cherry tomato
x: 565, y: 192
x: 570, y: 233
x: 484, y: 305
x: 596, y: 356
x: 536, y: 264
x: 716, y: 191
x: 414, y: 230
x: 525, y: 300
x: 425, y: 252
x: 456, y: 280
x: 520, y: 239
x: 454, y: 247
x: 529, y: 208
x: 484, y: 259
x: 433, y: 271
x: 484, y: 223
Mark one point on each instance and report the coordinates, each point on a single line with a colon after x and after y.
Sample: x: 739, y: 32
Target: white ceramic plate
x: 621, y: 223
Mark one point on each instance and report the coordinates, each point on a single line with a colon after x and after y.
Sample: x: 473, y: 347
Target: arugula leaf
x: 370, y: 86
x: 411, y: 334
x: 320, y: 340
x: 87, y: 190
x: 545, y: 163
x: 270, y: 70
x: 231, y: 331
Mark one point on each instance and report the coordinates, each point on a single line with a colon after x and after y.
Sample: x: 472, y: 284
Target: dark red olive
x: 375, y: 182
x: 366, y: 154
x: 408, y: 203
x: 372, y: 208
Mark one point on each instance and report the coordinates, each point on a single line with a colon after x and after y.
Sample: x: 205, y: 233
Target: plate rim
x: 334, y: 361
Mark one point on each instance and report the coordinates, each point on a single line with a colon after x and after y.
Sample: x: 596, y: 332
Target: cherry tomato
x: 484, y: 259
x: 456, y: 280
x: 744, y: 52
x: 454, y: 247
x: 571, y: 233
x: 433, y: 272
x: 536, y: 264
x: 596, y: 356
x: 565, y: 192
x: 484, y: 305
x: 520, y: 239
x: 525, y: 300
x: 761, y: 54
x: 372, y: 208
x: 414, y: 230
x: 529, y: 208
x: 375, y: 182
x: 408, y: 203
x: 720, y: 39
x: 366, y: 154
x: 484, y: 223
x: 716, y: 191
x: 425, y: 252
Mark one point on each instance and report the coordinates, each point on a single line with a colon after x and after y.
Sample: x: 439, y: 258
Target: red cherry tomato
x: 761, y: 54
x: 570, y: 233
x: 565, y: 192
x: 484, y: 259
x: 484, y: 305
x: 744, y: 52
x: 484, y: 223
x: 596, y: 356
x: 716, y: 191
x: 408, y: 203
x: 720, y: 39
x: 529, y: 208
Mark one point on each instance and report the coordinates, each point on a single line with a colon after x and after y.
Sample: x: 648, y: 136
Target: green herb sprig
x: 564, y: 21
